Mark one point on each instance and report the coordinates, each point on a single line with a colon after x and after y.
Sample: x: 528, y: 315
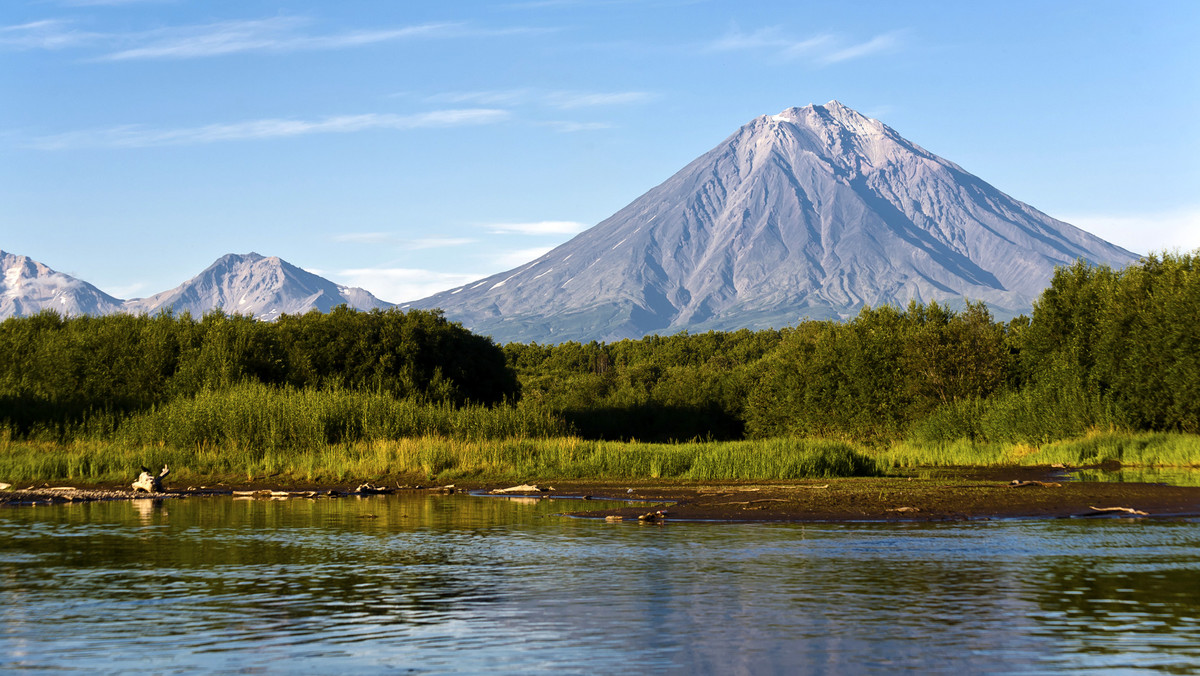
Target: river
x: 461, y: 584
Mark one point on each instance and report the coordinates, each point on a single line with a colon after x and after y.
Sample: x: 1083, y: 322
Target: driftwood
x: 372, y: 489
x: 903, y: 509
x: 751, y: 502
x: 148, y: 482
x: 1101, y: 511
x: 523, y: 488
x: 1017, y: 483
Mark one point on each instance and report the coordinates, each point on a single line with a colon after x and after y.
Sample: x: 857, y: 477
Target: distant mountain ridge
x: 810, y: 213
x: 250, y: 284
x: 28, y: 287
x: 263, y: 287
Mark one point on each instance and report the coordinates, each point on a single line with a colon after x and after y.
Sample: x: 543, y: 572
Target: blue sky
x: 408, y: 147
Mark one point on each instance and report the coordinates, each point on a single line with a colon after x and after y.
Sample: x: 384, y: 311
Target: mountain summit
x: 247, y: 284
x: 28, y: 287
x: 811, y: 213
x: 261, y: 286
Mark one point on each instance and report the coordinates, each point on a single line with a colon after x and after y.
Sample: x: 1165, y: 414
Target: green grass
x: 255, y: 431
x: 1146, y: 449
x: 1139, y: 449
x: 265, y: 418
x: 442, y: 459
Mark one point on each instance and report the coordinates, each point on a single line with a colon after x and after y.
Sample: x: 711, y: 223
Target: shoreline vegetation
x: 1107, y: 370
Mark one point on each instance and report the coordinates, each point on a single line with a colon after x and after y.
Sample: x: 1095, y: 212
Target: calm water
x: 460, y: 584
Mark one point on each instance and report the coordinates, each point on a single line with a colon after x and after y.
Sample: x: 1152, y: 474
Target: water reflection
x: 454, y: 583
x: 1172, y: 476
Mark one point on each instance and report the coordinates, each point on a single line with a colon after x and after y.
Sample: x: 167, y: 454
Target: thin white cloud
x: 136, y: 136
x: 109, y: 3
x: 822, y: 49
x: 278, y: 34
x: 275, y: 34
x: 365, y: 237
x: 538, y: 228
x: 571, y: 127
x: 769, y: 39
x: 1145, y: 233
x: 48, y: 34
x: 518, y: 257
x: 876, y: 45
x: 560, y: 99
x: 398, y: 285
x: 439, y: 242
x: 133, y: 290
x: 501, y: 97
x: 571, y: 100
x: 391, y: 239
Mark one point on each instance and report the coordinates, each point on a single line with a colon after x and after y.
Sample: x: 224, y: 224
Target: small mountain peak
x: 834, y: 112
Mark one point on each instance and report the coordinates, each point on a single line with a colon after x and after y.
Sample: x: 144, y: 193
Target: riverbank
x: 919, y: 495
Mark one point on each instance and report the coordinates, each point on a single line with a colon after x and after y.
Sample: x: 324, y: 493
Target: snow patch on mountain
x: 28, y: 287
x: 251, y: 284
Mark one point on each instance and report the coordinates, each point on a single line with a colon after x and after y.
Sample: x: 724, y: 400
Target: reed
x: 956, y: 453
x: 1097, y: 446
x: 262, y: 419
x: 443, y: 459
x: 1142, y: 449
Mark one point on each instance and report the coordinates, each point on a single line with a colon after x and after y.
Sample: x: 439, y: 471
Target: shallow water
x: 463, y: 584
x: 1171, y: 476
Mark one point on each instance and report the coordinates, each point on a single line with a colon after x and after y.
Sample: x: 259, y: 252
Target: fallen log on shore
x: 148, y: 482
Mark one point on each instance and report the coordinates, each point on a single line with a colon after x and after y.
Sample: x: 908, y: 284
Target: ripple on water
x: 453, y: 583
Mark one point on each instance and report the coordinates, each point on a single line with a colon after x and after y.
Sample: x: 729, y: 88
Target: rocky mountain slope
x: 261, y: 286
x: 811, y: 213
x: 28, y: 287
x: 251, y: 284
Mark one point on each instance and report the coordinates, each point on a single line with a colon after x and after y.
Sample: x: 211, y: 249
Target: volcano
x: 813, y: 213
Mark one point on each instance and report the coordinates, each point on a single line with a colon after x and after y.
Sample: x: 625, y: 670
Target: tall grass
x: 1141, y: 449
x: 445, y: 459
x: 1035, y: 415
x: 1146, y: 449
x: 262, y: 418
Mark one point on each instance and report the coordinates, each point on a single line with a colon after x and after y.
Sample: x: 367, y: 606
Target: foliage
x: 55, y: 372
x: 1105, y: 351
x: 443, y: 459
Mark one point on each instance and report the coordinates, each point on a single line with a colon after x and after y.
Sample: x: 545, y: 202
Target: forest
x: 1103, y: 350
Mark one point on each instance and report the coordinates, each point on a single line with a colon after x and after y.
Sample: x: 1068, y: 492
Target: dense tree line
x: 55, y: 369
x: 1103, y: 348
x: 655, y: 389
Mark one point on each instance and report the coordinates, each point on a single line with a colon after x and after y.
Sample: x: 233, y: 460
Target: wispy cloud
x: 365, y: 237
x: 136, y: 136
x: 559, y: 99
x: 439, y: 242
x: 281, y: 34
x: 47, y: 34
x: 403, y: 242
x: 822, y: 49
x: 516, y: 257
x: 1145, y: 233
x: 108, y: 3
x: 568, y: 127
x: 571, y: 100
x: 876, y: 45
x: 398, y: 285
x: 275, y: 34
x: 537, y: 228
x: 501, y: 97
